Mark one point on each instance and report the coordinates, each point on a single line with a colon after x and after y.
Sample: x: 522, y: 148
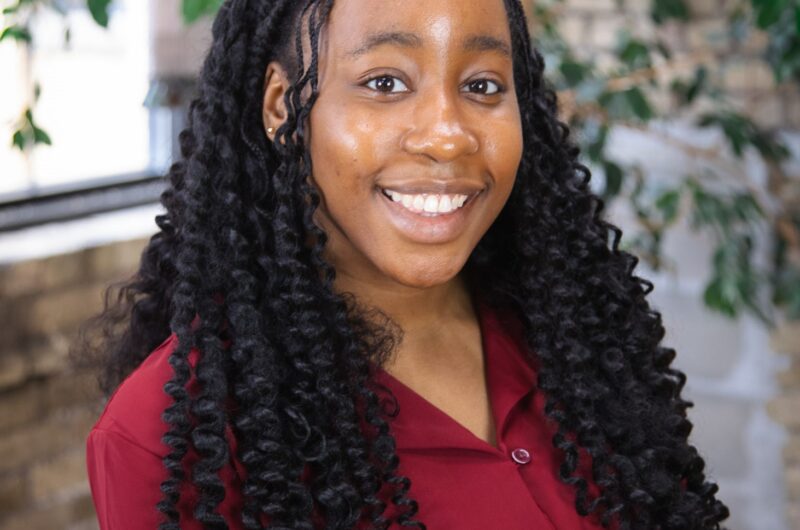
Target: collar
x: 510, y: 377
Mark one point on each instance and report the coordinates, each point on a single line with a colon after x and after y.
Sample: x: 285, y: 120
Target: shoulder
x: 133, y: 411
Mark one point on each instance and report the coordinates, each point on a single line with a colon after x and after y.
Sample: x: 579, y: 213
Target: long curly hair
x: 294, y: 356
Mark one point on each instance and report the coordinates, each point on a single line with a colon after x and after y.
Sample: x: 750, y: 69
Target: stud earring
x: 270, y: 130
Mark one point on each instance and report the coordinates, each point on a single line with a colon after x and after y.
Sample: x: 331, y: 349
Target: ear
x: 274, y: 109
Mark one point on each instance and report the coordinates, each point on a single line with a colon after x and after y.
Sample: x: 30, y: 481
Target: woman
x: 443, y: 255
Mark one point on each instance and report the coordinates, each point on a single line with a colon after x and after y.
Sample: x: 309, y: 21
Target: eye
x: 483, y: 87
x: 385, y: 84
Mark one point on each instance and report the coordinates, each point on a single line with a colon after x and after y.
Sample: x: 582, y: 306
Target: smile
x: 428, y: 217
x: 423, y: 203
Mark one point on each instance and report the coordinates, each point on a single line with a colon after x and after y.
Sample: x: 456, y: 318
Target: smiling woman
x: 378, y: 206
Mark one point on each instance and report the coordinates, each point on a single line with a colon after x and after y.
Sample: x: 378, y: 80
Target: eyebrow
x: 473, y: 42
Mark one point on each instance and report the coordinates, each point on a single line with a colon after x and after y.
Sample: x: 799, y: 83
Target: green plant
x: 17, y: 18
x: 718, y: 199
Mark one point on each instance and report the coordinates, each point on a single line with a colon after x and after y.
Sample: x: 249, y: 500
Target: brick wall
x: 46, y: 406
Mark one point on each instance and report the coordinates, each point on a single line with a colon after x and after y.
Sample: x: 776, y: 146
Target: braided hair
x: 297, y: 370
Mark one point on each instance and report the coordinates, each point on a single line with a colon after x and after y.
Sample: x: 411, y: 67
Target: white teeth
x: 428, y: 203
x: 431, y: 203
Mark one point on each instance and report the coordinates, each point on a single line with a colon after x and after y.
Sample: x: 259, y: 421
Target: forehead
x: 353, y: 24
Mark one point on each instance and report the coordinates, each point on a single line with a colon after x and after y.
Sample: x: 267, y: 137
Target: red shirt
x: 460, y: 481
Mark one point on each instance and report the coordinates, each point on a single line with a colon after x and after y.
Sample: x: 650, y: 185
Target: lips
x: 427, y: 227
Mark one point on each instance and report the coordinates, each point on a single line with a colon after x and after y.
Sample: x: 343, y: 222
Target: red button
x: 520, y: 455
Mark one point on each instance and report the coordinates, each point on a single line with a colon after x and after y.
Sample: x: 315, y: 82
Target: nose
x: 439, y: 130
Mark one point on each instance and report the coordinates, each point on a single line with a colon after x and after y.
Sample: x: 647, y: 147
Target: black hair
x: 293, y: 355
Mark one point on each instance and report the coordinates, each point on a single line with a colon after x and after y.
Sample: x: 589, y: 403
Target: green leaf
x: 700, y: 77
x: 634, y: 53
x: 769, y: 12
x: 18, y: 33
x: 18, y: 140
x: 668, y: 202
x: 614, y: 177
x: 720, y: 295
x: 41, y: 137
x: 797, y: 19
x: 574, y: 72
x: 708, y: 209
x: 614, y: 103
x: 746, y: 207
x: 192, y: 10
x: 663, y: 10
x: 598, y: 144
x: 99, y: 11
x: 639, y: 104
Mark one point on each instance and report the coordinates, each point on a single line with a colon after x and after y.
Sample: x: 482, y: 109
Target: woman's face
x: 416, y: 135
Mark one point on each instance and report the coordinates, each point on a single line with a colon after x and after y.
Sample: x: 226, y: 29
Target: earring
x: 270, y: 130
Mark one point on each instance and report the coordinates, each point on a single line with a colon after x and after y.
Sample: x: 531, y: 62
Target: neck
x: 418, y: 311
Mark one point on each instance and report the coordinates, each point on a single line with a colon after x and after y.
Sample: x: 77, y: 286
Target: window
x: 91, y: 102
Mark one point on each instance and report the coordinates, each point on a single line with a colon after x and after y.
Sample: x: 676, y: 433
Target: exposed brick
x: 115, y: 261
x: 59, y: 431
x: 13, y: 493
x: 786, y: 338
x: 59, y: 515
x: 42, y: 315
x: 791, y: 452
x: 21, y: 278
x: 747, y: 75
x: 709, y: 34
x: 793, y: 516
x: 591, y: 5
x: 640, y: 7
x: 573, y: 29
x: 61, y: 474
x: 767, y: 110
x: 703, y: 8
x: 107, y: 262
x: 19, y: 406
x: 603, y: 31
x: 755, y: 43
x: 792, y: 477
x: 69, y: 389
x: 66, y: 309
x: 13, y: 369
x: 792, y: 114
x: 88, y: 524
x: 784, y: 409
x: 50, y: 357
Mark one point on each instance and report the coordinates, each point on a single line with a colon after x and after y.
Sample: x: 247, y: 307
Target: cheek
x: 503, y: 150
x: 344, y: 148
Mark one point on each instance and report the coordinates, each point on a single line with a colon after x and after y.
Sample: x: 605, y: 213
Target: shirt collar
x: 510, y: 377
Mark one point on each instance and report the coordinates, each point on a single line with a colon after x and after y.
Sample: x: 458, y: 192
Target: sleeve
x: 124, y: 479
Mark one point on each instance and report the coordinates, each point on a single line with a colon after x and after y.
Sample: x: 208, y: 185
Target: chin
x: 426, y: 275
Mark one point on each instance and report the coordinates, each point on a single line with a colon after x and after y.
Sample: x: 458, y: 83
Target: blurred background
x: 687, y: 112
